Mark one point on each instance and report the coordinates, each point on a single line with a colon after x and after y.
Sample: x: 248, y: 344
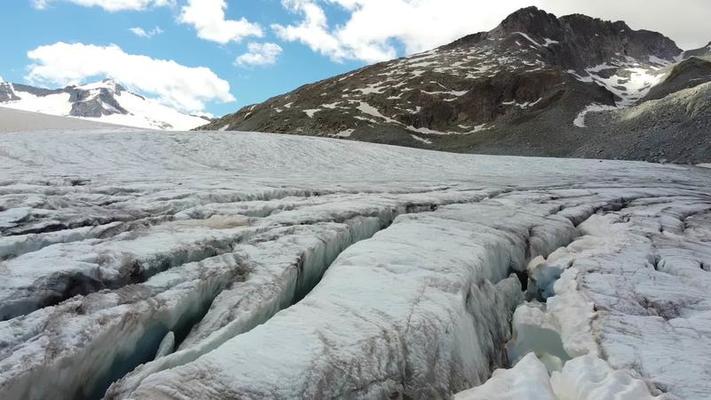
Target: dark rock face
x: 584, y: 41
x: 524, y: 88
x: 95, y: 102
x: 591, y: 41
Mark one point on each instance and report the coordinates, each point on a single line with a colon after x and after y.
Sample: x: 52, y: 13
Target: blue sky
x: 55, y: 42
x: 30, y: 28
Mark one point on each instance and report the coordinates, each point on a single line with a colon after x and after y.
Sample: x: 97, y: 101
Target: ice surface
x: 590, y: 378
x: 584, y: 378
x: 528, y: 380
x: 633, y: 291
x: 296, y: 267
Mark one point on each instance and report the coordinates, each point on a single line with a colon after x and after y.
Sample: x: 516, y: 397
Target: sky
x: 216, y: 56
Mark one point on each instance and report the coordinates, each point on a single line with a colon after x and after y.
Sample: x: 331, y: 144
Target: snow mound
x: 584, y: 378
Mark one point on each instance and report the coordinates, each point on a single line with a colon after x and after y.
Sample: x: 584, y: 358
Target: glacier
x: 138, y: 265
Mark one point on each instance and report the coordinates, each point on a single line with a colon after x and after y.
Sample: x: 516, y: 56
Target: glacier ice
x: 583, y: 378
x: 249, y: 265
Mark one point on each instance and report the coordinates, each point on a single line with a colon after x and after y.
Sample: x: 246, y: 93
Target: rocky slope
x: 701, y: 52
x: 688, y: 73
x: 105, y: 101
x: 674, y: 128
x: 524, y: 88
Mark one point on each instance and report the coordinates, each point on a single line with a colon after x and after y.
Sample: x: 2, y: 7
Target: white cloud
x: 687, y: 22
x: 374, y: 25
x: 260, y: 54
x: 208, y: 18
x: 140, y: 32
x: 313, y: 30
x: 186, y: 88
x: 108, y: 5
x: 376, y: 29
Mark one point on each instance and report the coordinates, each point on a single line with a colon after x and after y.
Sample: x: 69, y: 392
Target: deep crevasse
x: 419, y: 310
x: 632, y: 292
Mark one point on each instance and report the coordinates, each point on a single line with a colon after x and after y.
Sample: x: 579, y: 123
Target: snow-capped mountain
x: 528, y: 87
x: 105, y: 101
x: 6, y: 91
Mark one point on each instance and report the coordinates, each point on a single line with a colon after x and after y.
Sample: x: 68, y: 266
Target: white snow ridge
x: 137, y: 265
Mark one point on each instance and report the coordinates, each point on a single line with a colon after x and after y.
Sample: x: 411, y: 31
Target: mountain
x: 105, y: 101
x: 526, y: 87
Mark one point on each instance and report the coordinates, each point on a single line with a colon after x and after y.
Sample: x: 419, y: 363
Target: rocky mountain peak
x: 597, y: 41
x: 106, y: 85
x: 96, y: 99
x: 574, y: 41
x: 533, y: 21
x: 111, y: 84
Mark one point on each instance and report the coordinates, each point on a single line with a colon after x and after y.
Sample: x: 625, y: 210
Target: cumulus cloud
x: 209, y: 20
x: 374, y: 26
x: 186, y: 88
x: 140, y: 32
x: 108, y: 5
x: 260, y: 54
x: 313, y: 30
x: 376, y: 29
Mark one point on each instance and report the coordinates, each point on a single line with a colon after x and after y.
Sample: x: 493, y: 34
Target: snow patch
x: 580, y: 118
x: 528, y: 38
x: 549, y: 42
x: 421, y: 139
x: 345, y: 133
x: 310, y: 113
x: 53, y: 104
x: 366, y: 108
x: 524, y: 105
